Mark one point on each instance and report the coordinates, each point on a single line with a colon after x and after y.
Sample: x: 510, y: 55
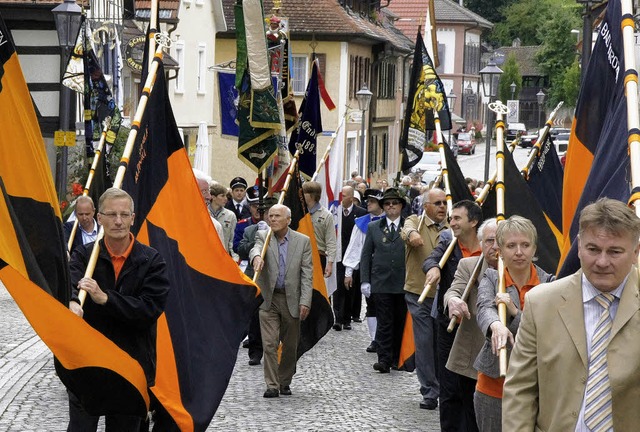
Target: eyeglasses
x: 391, y: 202
x: 438, y: 203
x: 122, y: 216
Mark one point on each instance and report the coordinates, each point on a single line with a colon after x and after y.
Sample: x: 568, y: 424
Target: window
x: 299, y: 70
x: 359, y: 74
x: 442, y: 50
x: 386, y: 80
x: 472, y: 59
x: 181, y: 67
x: 202, y: 68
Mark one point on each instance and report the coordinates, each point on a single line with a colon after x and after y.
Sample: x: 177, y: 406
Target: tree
x: 490, y: 10
x: 510, y: 74
x: 558, y: 51
x: 522, y: 20
x: 571, y: 84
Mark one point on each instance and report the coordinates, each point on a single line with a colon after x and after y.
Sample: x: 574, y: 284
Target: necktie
x: 239, y: 208
x: 346, y: 212
x: 597, y: 409
x: 393, y: 228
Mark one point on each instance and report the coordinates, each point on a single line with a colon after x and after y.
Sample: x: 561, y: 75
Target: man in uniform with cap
x: 351, y: 257
x: 238, y: 202
x: 383, y: 251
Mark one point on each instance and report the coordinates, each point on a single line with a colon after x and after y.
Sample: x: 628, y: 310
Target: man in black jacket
x: 125, y: 296
x: 456, y: 391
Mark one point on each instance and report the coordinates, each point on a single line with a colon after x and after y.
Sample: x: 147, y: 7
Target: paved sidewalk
x: 335, y: 388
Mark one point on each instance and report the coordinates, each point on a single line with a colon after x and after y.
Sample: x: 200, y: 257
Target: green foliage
x: 491, y: 10
x: 115, y: 154
x: 522, y: 20
x: 571, y: 84
x: 511, y: 74
x: 558, y: 51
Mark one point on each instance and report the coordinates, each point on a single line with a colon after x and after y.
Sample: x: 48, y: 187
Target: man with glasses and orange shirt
x: 382, y: 272
x: 420, y: 234
x: 125, y: 296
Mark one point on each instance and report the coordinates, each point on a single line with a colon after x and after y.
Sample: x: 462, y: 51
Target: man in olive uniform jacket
x: 382, y: 272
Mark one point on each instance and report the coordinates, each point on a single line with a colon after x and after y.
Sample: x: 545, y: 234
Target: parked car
x: 514, y: 130
x: 561, y: 142
x: 430, y: 161
x: 529, y: 139
x: 466, y: 143
x: 554, y: 131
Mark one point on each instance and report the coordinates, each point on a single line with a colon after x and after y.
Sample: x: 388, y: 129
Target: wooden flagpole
x: 537, y: 147
x: 631, y: 91
x: 124, y: 161
x: 329, y: 147
x: 467, y: 290
x: 92, y: 170
x: 500, y: 111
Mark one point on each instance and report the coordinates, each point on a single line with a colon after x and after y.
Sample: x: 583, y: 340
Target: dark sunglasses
x: 392, y: 202
x: 438, y: 203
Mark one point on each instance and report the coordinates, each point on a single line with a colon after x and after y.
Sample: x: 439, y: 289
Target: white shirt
x: 88, y: 237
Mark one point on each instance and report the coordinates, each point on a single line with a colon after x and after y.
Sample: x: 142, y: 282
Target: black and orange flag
x: 519, y: 200
x: 211, y: 301
x: 320, y: 318
x: 597, y: 158
x: 33, y: 263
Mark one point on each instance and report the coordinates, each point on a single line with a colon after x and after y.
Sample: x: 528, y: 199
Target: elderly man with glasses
x: 382, y: 272
x: 421, y: 234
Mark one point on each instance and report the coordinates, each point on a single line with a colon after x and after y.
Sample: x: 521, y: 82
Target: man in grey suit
x: 382, y: 272
x: 286, y: 283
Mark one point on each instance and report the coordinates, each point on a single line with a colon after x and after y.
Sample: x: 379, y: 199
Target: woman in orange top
x: 517, y: 239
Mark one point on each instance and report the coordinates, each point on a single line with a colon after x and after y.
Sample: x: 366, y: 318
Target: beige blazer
x: 548, y: 367
x: 469, y: 338
x: 414, y: 257
x: 299, y: 273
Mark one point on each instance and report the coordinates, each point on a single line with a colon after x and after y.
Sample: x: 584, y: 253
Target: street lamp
x: 364, y: 99
x: 513, y: 90
x: 451, y: 98
x: 490, y: 76
x: 67, y: 17
x: 540, y: 95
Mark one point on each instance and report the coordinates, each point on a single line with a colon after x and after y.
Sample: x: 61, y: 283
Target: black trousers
x: 391, y: 312
x: 82, y: 421
x: 343, y: 298
x: 456, y: 391
x: 255, y: 337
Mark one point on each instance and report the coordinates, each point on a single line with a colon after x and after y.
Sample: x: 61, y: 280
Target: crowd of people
x: 388, y: 246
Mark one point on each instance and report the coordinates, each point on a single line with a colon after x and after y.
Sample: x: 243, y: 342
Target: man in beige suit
x: 420, y: 235
x: 551, y: 370
x: 286, y: 283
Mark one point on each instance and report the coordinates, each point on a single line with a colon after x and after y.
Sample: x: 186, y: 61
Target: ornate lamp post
x: 513, y: 90
x: 451, y: 99
x: 67, y: 17
x: 490, y: 76
x: 540, y: 95
x: 364, y: 99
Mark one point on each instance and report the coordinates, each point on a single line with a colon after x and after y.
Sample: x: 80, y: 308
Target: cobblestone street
x: 335, y: 388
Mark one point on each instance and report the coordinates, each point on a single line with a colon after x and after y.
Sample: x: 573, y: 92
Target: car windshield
x: 464, y: 137
x: 563, y: 137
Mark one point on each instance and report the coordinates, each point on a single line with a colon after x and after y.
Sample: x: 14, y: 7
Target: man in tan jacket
x: 420, y: 235
x: 575, y: 365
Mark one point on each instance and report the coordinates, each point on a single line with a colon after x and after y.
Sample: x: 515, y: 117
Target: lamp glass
x: 451, y: 98
x: 364, y: 98
x: 67, y: 17
x: 490, y: 75
x: 541, y: 95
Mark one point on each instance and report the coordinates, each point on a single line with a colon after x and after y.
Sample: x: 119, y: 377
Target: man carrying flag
x: 285, y: 279
x: 126, y: 295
